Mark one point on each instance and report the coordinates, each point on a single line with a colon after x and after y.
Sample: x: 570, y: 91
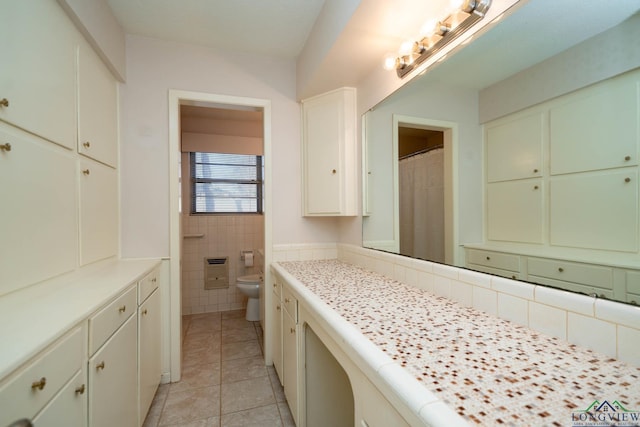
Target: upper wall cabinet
x: 38, y: 78
x: 98, y: 211
x: 39, y: 220
x: 97, y: 108
x: 579, y: 155
x: 514, y: 148
x: 329, y: 157
x: 598, y: 128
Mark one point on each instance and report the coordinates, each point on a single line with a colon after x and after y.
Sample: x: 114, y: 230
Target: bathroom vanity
x: 83, y: 348
x: 360, y: 348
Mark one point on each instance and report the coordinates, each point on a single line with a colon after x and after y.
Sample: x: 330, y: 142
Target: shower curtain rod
x: 417, y: 153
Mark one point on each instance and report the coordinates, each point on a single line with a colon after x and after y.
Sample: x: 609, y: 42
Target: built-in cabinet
x: 565, y: 173
x: 562, y: 181
x: 276, y: 331
x: 322, y: 383
x: 329, y: 154
x: 591, y: 278
x: 97, y: 121
x: 285, y: 347
x: 102, y: 372
x: 149, y: 342
x: 38, y: 79
x: 53, y: 385
x: 58, y: 147
x: 290, y: 350
x: 40, y: 229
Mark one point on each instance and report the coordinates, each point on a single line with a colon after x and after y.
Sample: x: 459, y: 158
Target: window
x: 226, y: 183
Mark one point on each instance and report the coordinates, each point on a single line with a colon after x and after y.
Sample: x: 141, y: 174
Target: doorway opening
x: 426, y: 188
x: 421, y: 187
x: 222, y: 107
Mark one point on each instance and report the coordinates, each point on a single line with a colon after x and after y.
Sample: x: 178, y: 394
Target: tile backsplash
x: 214, y: 236
x: 608, y: 327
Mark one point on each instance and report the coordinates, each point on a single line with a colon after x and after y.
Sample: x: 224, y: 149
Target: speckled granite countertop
x: 490, y: 371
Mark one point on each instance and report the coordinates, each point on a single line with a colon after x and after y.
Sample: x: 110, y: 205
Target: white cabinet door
x: 329, y: 154
x: 514, y: 148
x: 69, y: 407
x: 515, y: 211
x: 599, y: 128
x: 38, y: 77
x: 98, y: 211
x: 276, y: 314
x: 290, y: 363
x: 595, y: 211
x: 39, y: 209
x: 97, y: 108
x: 149, y: 351
x: 113, y: 388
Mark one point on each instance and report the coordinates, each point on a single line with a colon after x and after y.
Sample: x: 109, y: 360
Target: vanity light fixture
x: 437, y: 34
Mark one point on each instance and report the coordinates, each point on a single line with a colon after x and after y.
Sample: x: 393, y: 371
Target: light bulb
x: 406, y: 48
x: 428, y: 28
x: 389, y: 62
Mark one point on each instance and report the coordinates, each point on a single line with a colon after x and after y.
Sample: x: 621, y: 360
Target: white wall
x: 435, y: 103
x: 154, y: 67
x: 598, y: 58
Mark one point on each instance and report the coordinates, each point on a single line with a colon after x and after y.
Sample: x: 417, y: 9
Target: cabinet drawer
x: 69, y: 407
x: 494, y: 259
x: 277, y: 285
x: 585, y: 274
x: 147, y: 285
x: 28, y: 392
x: 633, y: 287
x: 290, y: 304
x: 107, y: 320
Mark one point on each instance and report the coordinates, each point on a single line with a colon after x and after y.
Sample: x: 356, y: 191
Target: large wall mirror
x: 489, y: 160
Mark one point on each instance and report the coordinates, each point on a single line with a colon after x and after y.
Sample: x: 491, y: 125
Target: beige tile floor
x: 224, y: 380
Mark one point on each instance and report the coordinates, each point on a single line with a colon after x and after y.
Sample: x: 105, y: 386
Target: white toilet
x: 250, y: 286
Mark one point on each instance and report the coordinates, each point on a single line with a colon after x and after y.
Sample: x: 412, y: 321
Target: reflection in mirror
x: 520, y: 222
x: 421, y: 192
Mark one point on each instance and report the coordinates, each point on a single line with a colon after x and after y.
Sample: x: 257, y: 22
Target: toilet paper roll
x: 248, y: 259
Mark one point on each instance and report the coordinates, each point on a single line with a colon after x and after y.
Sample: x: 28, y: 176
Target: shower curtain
x: 421, y: 179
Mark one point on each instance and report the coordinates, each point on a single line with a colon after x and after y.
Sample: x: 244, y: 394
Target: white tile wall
x: 224, y: 236
x: 608, y: 327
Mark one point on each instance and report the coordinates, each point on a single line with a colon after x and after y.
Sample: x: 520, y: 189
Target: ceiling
x: 270, y: 27
x: 280, y: 28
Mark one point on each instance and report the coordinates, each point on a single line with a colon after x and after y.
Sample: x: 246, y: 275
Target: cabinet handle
x: 144, y: 312
x: 627, y: 158
x: 39, y: 384
x: 560, y: 269
x: 275, y: 285
x: 122, y: 309
x: 488, y: 258
x: 333, y: 171
x: 5, y: 147
x: 100, y: 365
x: 86, y: 144
x: 4, y: 102
x: 292, y: 330
x: 86, y: 171
x: 535, y: 171
x: 80, y: 390
x: 154, y: 280
x: 278, y: 307
x: 535, y: 187
x: 287, y: 300
x: 627, y: 179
